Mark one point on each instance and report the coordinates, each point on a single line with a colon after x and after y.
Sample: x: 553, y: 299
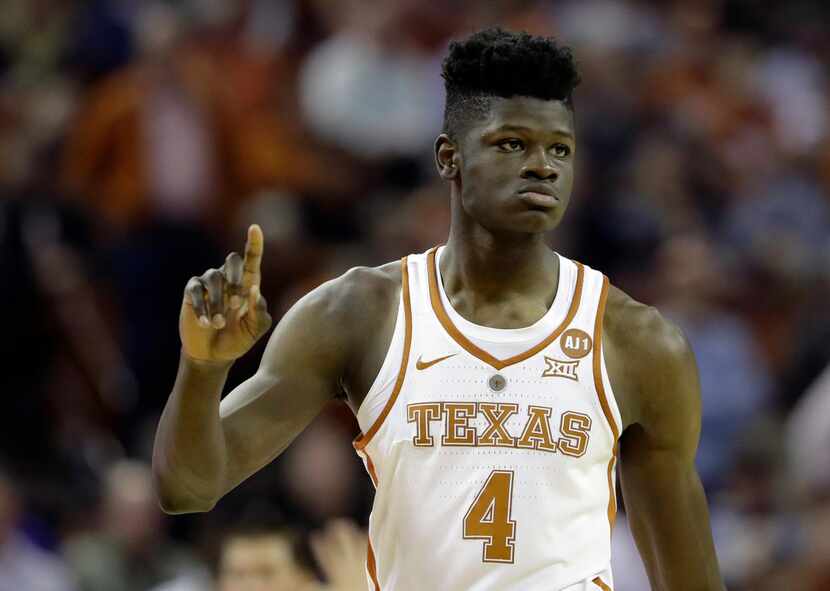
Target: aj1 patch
x: 575, y: 343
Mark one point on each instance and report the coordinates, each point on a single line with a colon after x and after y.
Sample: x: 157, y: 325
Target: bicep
x: 298, y: 375
x: 665, y: 501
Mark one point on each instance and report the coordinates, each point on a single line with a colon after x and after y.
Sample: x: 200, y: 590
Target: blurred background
x: 138, y: 139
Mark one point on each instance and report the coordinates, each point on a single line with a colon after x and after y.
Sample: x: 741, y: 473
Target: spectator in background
x: 129, y: 549
x: 259, y: 552
x: 199, y: 122
x: 265, y: 558
x: 144, y: 144
x: 24, y: 566
x: 261, y: 557
x: 374, y: 87
x: 250, y: 70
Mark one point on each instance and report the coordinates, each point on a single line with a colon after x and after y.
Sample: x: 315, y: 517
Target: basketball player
x: 497, y: 383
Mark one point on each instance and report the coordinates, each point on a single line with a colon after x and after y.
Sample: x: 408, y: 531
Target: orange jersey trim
x: 370, y: 466
x: 362, y: 441
x: 612, y: 491
x: 469, y: 346
x: 603, y: 401
x: 371, y: 566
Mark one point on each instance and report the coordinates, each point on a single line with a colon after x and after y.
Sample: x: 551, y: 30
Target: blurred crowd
x: 138, y: 139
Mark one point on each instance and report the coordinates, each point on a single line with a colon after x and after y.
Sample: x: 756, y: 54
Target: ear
x: 446, y: 157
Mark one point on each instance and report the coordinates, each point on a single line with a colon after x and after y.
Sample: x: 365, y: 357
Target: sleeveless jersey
x: 492, y: 451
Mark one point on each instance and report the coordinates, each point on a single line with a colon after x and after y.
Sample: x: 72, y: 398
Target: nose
x: 537, y: 165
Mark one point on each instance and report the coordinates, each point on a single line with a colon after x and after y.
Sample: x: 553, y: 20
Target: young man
x: 496, y: 382
x: 260, y: 557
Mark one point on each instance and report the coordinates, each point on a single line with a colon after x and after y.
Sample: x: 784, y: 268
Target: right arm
x: 204, y: 448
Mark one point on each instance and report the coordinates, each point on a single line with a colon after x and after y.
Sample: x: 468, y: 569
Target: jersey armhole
x: 609, y: 406
x: 363, y: 440
x: 373, y: 402
x: 602, y: 384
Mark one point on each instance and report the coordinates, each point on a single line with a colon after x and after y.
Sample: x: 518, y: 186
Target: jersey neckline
x: 457, y: 326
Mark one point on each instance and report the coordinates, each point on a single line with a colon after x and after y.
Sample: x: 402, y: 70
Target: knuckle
x: 194, y: 289
x: 232, y: 278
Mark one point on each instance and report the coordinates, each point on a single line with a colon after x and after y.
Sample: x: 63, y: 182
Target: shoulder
x: 345, y: 307
x: 330, y: 327
x: 642, y: 328
x: 650, y: 362
x: 359, y: 295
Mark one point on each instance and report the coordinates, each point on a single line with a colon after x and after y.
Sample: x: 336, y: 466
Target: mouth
x: 539, y: 200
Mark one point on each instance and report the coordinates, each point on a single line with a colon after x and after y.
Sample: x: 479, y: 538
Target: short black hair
x: 257, y: 520
x: 494, y: 62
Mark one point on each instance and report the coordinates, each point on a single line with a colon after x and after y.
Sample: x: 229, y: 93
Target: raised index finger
x: 253, y: 257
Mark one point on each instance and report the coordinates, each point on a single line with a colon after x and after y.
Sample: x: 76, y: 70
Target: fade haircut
x: 499, y: 63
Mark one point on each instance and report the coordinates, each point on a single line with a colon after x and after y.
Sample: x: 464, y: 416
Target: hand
x: 340, y: 550
x: 223, y: 313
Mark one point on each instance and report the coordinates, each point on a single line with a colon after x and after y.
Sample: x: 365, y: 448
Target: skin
x: 266, y: 561
x: 260, y: 563
x: 498, y: 272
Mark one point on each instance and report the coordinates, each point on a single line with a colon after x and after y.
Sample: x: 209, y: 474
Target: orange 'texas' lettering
x: 459, y: 431
x: 537, y: 430
x: 574, y: 427
x: 422, y: 415
x: 496, y: 433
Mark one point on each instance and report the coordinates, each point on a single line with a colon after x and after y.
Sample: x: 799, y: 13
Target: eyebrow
x: 523, y: 129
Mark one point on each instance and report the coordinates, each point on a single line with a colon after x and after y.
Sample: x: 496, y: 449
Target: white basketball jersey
x: 492, y: 450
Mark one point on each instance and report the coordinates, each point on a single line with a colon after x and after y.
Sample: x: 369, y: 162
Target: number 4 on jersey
x: 488, y: 518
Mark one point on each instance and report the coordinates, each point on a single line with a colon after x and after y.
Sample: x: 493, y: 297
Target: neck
x: 490, y: 265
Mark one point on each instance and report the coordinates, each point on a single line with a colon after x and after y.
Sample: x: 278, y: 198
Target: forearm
x: 670, y: 522
x: 190, y: 454
x: 693, y: 561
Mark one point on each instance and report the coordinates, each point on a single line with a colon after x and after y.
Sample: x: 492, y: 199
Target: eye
x: 561, y: 150
x: 511, y: 145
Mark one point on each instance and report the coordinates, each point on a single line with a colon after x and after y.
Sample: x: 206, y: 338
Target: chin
x: 529, y: 222
x: 517, y: 220
x: 535, y: 222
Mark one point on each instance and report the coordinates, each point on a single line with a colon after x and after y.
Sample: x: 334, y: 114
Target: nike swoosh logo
x: 425, y: 364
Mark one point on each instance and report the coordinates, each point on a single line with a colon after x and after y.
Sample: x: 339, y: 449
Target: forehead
x: 243, y: 553
x: 533, y: 114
